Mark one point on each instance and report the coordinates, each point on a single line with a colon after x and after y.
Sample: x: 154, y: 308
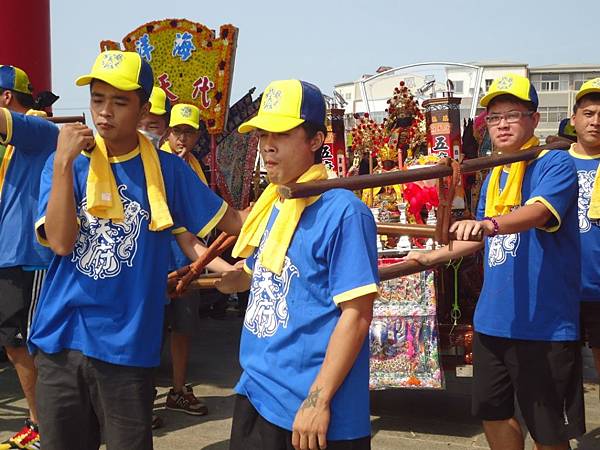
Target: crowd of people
x: 91, y: 225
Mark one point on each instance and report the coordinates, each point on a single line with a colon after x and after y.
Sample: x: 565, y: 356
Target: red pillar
x: 25, y: 37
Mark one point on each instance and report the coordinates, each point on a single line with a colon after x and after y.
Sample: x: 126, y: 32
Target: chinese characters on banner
x: 189, y: 63
x: 442, y: 116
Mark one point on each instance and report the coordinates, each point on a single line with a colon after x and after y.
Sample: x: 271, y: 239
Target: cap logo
x: 186, y: 112
x: 596, y: 83
x: 272, y: 99
x: 505, y: 83
x: 111, y: 60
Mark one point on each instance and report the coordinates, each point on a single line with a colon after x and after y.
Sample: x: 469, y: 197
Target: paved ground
x: 401, y: 419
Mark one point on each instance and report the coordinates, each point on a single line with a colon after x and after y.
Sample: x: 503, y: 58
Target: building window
x: 581, y: 77
x: 458, y: 86
x: 552, y: 114
x: 548, y: 82
x: 348, y: 96
x: 488, y: 83
x: 409, y: 82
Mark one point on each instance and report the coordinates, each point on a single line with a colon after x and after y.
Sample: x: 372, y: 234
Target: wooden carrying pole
x: 385, y: 273
x: 417, y: 230
x: 66, y: 119
x: 443, y: 169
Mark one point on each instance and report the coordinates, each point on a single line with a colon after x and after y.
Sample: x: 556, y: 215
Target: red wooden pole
x: 213, y: 162
x: 25, y: 37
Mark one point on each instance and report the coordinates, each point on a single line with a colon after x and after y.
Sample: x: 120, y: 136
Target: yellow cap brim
x: 157, y: 111
x: 189, y: 122
x: 119, y: 83
x: 274, y: 124
x: 585, y: 92
x: 492, y: 95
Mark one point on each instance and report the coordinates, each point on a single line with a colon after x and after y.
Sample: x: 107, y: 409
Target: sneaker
x: 186, y: 401
x: 157, y: 421
x: 28, y: 438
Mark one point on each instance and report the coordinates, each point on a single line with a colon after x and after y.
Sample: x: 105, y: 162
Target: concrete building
x: 556, y: 86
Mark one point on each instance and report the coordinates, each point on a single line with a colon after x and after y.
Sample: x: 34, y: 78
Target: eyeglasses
x: 182, y: 132
x: 510, y: 117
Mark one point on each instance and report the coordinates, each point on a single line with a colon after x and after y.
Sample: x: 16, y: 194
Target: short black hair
x: 25, y: 100
x: 530, y: 106
x: 592, y: 97
x: 311, y: 129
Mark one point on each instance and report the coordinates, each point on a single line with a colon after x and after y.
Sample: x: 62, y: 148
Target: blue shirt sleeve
x: 481, y: 203
x: 194, y: 206
x: 352, y: 257
x: 555, y: 186
x: 45, y: 185
x: 32, y: 134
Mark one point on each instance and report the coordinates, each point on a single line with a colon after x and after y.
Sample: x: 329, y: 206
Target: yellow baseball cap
x: 159, y: 103
x: 285, y: 104
x: 511, y: 84
x: 126, y: 71
x: 184, y: 114
x: 14, y: 79
x: 588, y: 87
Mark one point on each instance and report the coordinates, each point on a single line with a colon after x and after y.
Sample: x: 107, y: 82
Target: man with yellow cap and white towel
x: 311, y: 269
x: 108, y: 207
x: 526, y: 340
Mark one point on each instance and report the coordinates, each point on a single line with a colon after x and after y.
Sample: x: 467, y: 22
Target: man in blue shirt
x: 108, y: 207
x: 29, y: 140
x: 527, y: 317
x: 311, y: 269
x: 586, y: 156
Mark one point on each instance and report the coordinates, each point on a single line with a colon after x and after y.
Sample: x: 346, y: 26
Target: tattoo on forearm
x: 311, y: 399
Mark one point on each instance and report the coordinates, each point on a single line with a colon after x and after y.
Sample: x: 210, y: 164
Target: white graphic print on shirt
x: 267, y: 307
x: 103, y: 245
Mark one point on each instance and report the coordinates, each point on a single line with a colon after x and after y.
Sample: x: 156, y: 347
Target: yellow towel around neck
x: 103, y: 199
x: 594, y: 210
x: 497, y: 204
x: 272, y: 256
x: 191, y: 160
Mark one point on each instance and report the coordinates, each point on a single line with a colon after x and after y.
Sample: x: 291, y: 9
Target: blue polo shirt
x: 33, y: 139
x: 589, y: 230
x: 532, y: 279
x: 290, y: 317
x: 106, y: 299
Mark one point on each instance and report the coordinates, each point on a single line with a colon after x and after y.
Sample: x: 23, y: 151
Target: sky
x: 328, y: 42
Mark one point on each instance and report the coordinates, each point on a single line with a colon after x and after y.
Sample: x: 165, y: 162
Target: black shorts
x: 590, y: 323
x: 77, y: 396
x: 19, y: 291
x: 546, y: 378
x: 249, y: 431
x: 182, y: 314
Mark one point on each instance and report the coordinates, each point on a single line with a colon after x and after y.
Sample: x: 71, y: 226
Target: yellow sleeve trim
x: 355, y: 293
x: 178, y: 230
x: 247, y: 269
x: 547, y: 204
x: 214, y: 221
x: 38, y: 232
x: 9, y: 127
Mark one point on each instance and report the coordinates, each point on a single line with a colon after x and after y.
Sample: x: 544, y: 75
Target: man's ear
x: 7, y: 97
x: 317, y: 141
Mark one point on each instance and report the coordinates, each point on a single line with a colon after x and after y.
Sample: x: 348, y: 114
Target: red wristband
x: 496, y: 225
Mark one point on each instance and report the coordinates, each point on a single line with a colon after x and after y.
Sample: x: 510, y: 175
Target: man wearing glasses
x: 526, y: 320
